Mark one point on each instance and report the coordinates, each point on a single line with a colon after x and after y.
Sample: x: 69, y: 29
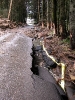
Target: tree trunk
x: 72, y: 23
x: 48, y: 14
x: 55, y: 13
x: 42, y: 13
x: 10, y: 9
x: 39, y: 10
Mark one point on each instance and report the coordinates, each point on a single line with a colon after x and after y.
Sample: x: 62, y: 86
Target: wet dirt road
x: 15, y: 63
x: 17, y: 82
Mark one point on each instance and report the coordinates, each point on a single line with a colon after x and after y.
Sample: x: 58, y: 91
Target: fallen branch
x: 71, y: 57
x: 62, y: 65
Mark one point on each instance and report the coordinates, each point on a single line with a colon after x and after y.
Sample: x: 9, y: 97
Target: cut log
x: 4, y: 25
x: 71, y: 57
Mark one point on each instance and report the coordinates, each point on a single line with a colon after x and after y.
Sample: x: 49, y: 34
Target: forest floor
x: 59, y: 48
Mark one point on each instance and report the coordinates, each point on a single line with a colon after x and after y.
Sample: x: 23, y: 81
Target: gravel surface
x: 15, y: 63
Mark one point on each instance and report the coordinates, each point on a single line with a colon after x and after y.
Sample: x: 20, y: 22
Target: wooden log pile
x: 6, y: 23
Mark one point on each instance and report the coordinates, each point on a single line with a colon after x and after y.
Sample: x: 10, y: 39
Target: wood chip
x: 72, y: 77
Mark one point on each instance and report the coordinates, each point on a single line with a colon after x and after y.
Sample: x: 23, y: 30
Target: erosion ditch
x: 42, y: 65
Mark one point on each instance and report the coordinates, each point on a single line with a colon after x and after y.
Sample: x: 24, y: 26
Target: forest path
x: 17, y: 82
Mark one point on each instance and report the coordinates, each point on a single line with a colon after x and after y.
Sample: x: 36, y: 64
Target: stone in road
x: 17, y: 82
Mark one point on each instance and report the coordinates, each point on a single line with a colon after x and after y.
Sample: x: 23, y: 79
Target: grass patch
x: 66, y: 41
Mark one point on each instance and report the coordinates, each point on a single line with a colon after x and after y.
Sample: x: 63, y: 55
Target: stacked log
x: 6, y: 23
